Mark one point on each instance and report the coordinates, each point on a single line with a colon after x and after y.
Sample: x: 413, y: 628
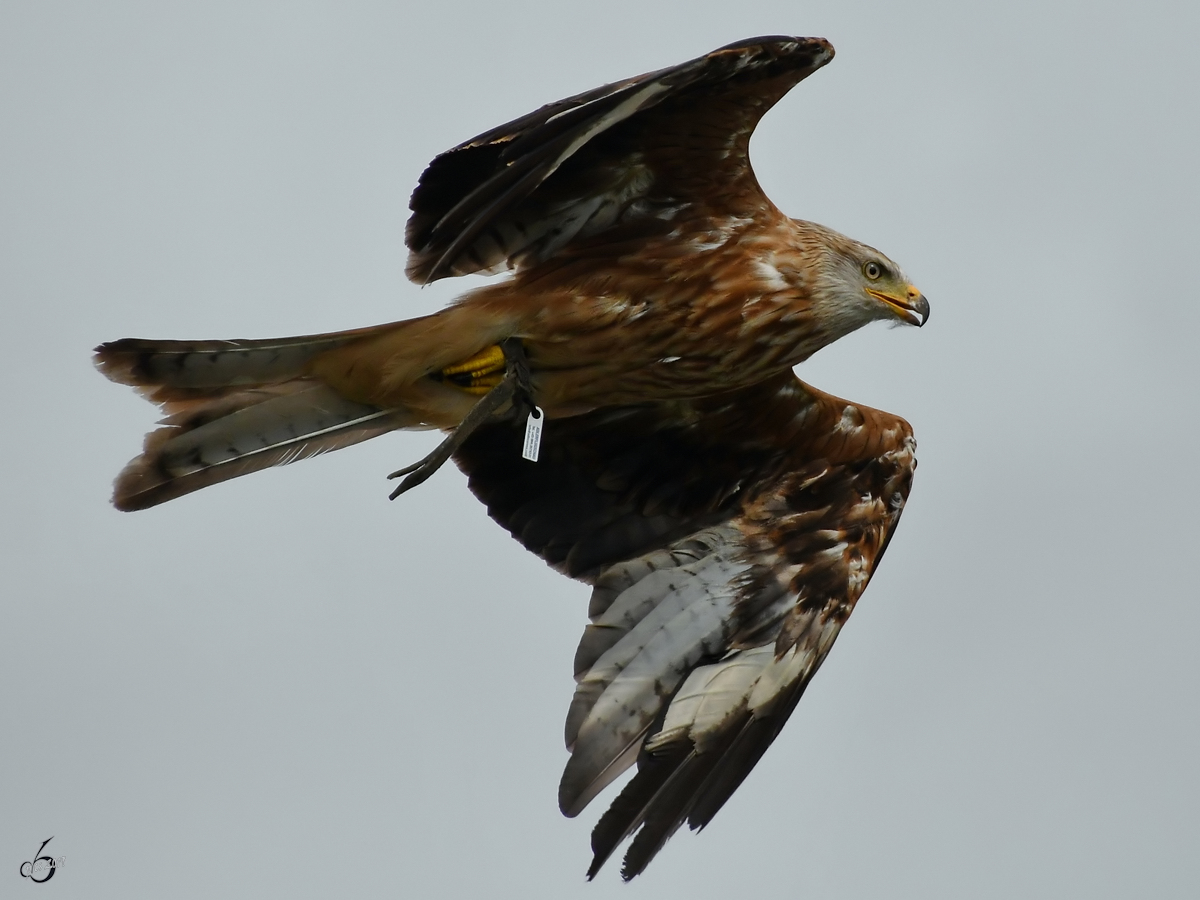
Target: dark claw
x: 514, y: 386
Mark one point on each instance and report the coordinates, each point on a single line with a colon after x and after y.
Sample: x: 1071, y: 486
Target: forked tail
x: 233, y: 407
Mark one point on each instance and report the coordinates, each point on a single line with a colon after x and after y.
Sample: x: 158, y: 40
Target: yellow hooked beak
x: 912, y: 306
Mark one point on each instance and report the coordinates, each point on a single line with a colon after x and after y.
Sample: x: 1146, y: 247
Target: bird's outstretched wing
x: 633, y: 153
x: 727, y: 541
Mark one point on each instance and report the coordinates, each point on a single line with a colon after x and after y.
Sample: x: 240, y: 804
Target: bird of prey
x: 727, y: 515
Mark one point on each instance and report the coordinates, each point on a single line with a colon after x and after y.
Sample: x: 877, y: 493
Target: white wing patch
x: 710, y: 696
x: 640, y: 646
x: 851, y: 420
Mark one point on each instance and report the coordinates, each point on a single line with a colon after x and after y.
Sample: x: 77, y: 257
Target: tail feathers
x: 182, y: 371
x: 242, y: 431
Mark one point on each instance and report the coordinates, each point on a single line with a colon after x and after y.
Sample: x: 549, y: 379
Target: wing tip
x: 821, y: 50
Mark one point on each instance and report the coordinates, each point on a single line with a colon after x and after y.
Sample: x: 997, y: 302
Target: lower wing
x: 727, y: 541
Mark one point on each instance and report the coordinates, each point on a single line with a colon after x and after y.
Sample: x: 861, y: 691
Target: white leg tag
x: 533, y: 434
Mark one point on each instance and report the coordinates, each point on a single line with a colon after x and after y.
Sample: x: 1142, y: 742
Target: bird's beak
x: 912, y: 306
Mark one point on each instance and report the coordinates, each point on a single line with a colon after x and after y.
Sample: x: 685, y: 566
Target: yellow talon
x: 485, y: 362
x: 482, y: 384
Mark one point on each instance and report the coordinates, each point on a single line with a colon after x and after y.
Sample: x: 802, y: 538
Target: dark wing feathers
x: 608, y: 486
x: 727, y: 541
x: 635, y: 149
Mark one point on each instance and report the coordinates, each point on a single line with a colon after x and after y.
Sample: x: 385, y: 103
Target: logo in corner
x: 41, y: 868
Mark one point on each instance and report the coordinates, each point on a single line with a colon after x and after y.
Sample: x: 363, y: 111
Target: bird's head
x: 856, y: 284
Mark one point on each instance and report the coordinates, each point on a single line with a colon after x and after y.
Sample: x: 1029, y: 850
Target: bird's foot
x: 512, y: 385
x: 480, y: 373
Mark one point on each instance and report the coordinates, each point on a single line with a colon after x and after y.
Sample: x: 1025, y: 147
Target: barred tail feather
x: 238, y: 433
x: 234, y: 407
x: 168, y: 372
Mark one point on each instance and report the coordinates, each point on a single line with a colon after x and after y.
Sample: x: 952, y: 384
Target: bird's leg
x: 512, y: 386
x: 516, y: 367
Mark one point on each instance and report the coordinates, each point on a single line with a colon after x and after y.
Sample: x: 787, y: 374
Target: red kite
x: 727, y: 515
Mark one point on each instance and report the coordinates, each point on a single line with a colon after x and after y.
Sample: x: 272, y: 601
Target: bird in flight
x: 727, y: 515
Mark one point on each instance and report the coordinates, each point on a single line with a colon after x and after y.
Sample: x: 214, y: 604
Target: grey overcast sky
x: 287, y: 686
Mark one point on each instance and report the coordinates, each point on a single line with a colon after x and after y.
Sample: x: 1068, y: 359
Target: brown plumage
x: 648, y: 264
x: 727, y: 540
x: 727, y: 516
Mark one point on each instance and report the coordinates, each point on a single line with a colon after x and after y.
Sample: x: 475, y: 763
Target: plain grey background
x: 287, y: 686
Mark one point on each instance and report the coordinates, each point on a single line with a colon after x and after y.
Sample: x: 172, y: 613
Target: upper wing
x: 633, y: 152
x: 727, y: 541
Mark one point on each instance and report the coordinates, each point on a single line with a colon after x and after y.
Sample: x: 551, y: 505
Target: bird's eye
x: 873, y: 271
